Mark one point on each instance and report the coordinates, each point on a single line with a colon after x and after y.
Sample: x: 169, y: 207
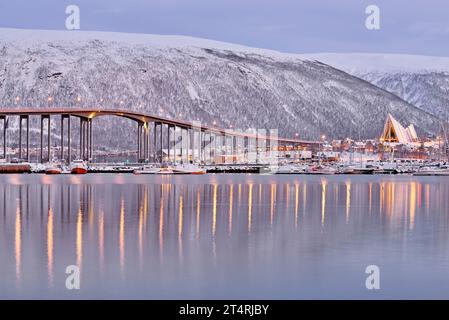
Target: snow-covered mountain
x: 420, y: 80
x: 192, y: 79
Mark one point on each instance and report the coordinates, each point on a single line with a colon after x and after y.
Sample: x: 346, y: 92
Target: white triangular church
x: 394, y: 132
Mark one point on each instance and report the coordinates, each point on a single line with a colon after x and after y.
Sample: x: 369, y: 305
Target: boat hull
x: 188, y: 172
x: 78, y: 170
x: 53, y: 171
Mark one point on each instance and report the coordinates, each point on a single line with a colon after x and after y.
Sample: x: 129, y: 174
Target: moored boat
x: 78, y: 167
x: 322, y: 170
x: 53, y: 169
x: 148, y: 169
x: 432, y: 172
x: 15, y: 168
x: 187, y: 168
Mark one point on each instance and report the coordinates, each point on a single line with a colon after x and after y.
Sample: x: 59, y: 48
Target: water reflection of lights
x: 180, y: 226
x: 50, y: 246
x: 231, y: 205
x: 250, y: 206
x: 214, y: 210
x: 45, y: 179
x: 101, y: 238
x: 348, y: 200
x: 140, y: 232
x: 198, y: 213
x: 18, y: 243
x: 272, y: 203
x: 122, y: 234
x: 79, y: 239
x: 74, y: 179
x: 412, y: 204
x: 14, y: 179
x: 161, y: 225
x: 323, y: 200
x: 296, y: 203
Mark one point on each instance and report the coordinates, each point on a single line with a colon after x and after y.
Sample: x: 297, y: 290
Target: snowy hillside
x: 420, y: 80
x: 192, y: 79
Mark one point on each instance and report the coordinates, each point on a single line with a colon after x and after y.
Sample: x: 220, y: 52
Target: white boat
x: 284, y: 169
x: 78, y: 167
x: 387, y: 168
x: 429, y: 171
x: 187, y: 168
x: 320, y: 169
x: 290, y: 169
x: 150, y: 169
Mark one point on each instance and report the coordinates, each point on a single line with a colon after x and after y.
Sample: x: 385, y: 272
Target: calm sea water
x: 223, y: 236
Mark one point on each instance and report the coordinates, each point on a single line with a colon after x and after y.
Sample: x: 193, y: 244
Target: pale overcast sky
x: 407, y: 26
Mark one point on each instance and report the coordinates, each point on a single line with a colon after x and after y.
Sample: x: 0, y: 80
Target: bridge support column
x: 85, y: 139
x: 168, y: 144
x: 186, y: 144
x: 246, y: 146
x: 190, y: 150
x: 201, y: 147
x: 42, y: 159
x: 20, y: 137
x: 41, y: 135
x: 209, y: 150
x: 4, y: 118
x: 28, y: 138
x: 69, y: 159
x: 48, y: 138
x: 234, y: 149
x: 151, y: 142
x: 139, y: 141
x: 147, y: 138
x: 178, y: 142
x: 21, y: 118
x: 175, y: 142
x: 224, y: 148
x: 62, y: 137
x: 156, y: 149
x: 257, y: 142
x: 69, y: 138
x: 161, y: 141
x: 214, y: 147
x: 81, y: 138
x: 90, y: 150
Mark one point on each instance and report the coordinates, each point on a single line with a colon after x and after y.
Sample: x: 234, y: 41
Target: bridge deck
x: 143, y: 118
